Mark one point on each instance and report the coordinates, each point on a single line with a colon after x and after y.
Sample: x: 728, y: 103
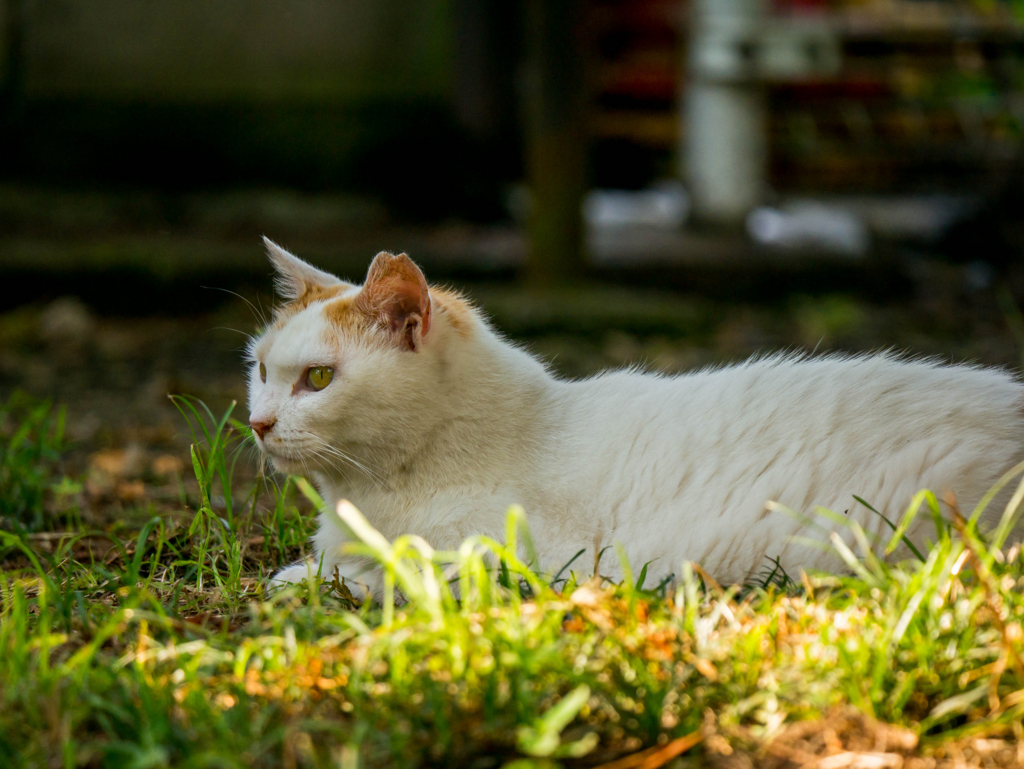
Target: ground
x: 130, y: 577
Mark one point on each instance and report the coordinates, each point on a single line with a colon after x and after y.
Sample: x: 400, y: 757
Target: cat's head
x: 344, y: 368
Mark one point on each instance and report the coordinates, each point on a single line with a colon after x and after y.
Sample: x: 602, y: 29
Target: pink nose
x: 262, y: 428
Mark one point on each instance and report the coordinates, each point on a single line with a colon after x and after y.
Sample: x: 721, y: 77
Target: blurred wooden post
x: 556, y: 107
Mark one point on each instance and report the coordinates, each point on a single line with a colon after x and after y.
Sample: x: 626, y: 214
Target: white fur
x: 444, y: 438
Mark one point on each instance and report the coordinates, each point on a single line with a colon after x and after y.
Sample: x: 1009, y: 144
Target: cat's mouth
x: 289, y: 465
x: 286, y: 463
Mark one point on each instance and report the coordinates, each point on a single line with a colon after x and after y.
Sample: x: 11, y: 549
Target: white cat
x: 402, y: 399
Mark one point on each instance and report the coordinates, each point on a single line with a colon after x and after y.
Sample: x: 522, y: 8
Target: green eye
x: 263, y: 373
x: 319, y: 377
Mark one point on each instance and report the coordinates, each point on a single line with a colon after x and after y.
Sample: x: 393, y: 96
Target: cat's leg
x: 361, y: 578
x: 448, y: 517
x: 292, y: 574
x: 329, y: 561
x: 360, y: 574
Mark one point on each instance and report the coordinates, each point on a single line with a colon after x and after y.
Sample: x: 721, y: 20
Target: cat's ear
x: 395, y: 297
x: 294, y: 276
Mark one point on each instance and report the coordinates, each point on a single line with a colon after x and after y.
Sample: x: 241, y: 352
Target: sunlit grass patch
x: 164, y: 648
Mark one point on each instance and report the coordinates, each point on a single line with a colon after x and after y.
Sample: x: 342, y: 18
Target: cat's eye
x: 318, y: 377
x: 263, y: 373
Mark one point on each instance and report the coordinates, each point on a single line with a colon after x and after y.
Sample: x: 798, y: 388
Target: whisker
x: 228, y: 328
x: 345, y: 467
x: 329, y: 449
x: 260, y: 303
x: 305, y: 467
x: 374, y: 476
x: 377, y: 481
x: 257, y: 314
x: 326, y: 466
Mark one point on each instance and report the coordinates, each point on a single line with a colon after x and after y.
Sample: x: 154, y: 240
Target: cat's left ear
x: 395, y: 297
x: 294, y: 276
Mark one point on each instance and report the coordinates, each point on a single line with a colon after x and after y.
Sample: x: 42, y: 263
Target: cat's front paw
x: 362, y: 583
x: 290, y: 575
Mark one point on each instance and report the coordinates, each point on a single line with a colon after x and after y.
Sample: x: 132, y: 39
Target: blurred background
x: 674, y: 183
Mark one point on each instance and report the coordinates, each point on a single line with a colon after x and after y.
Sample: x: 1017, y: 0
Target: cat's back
x: 870, y: 397
x: 691, y: 460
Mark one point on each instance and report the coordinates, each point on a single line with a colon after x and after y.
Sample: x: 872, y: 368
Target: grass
x: 33, y: 438
x: 158, y: 646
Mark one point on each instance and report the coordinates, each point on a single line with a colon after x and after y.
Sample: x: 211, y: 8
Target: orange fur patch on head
x: 319, y: 294
x: 340, y: 312
x: 341, y: 316
x: 344, y: 312
x: 310, y: 296
x: 456, y: 310
x: 389, y: 276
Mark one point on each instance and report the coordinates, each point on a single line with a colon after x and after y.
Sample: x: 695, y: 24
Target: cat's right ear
x: 294, y: 276
x: 395, y: 297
